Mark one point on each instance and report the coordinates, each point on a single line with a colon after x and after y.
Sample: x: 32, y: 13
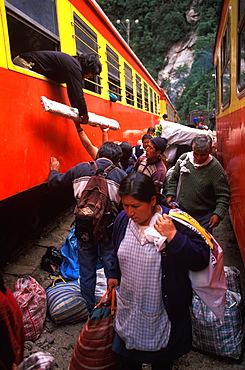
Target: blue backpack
x: 69, y: 251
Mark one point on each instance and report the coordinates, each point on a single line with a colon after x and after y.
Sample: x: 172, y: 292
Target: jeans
x: 88, y: 258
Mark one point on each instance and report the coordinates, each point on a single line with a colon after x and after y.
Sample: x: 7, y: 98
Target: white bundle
x: 179, y: 134
x: 63, y: 110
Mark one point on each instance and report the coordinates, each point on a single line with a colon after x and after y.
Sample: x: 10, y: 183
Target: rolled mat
x: 63, y: 110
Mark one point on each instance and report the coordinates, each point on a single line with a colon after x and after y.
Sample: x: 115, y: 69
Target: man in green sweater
x: 199, y: 184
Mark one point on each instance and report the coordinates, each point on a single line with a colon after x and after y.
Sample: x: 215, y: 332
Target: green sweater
x: 203, y: 189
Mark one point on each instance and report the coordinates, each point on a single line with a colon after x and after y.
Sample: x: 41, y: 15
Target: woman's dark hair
x: 146, y: 136
x: 111, y: 151
x: 90, y: 63
x: 138, y: 186
x: 151, y: 129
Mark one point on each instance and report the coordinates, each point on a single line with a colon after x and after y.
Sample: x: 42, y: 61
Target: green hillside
x: 163, y: 24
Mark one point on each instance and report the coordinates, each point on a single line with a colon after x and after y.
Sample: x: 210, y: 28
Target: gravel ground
x: 59, y: 340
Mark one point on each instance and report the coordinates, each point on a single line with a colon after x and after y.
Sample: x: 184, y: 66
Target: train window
x: 146, y: 96
x: 225, y: 67
x: 151, y: 101
x: 155, y: 102
x: 216, y: 88
x: 139, y: 92
x: 32, y: 25
x: 241, y: 8
x: 113, y: 72
x: 241, y: 49
x: 86, y: 42
x: 129, y: 84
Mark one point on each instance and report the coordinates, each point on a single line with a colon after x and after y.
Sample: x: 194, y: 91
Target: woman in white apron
x: 150, y: 265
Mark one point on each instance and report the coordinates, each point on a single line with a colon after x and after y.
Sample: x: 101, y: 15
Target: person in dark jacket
x: 64, y: 68
x: 78, y: 177
x: 150, y: 265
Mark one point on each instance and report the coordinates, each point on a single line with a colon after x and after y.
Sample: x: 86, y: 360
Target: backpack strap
x: 108, y: 170
x: 93, y: 167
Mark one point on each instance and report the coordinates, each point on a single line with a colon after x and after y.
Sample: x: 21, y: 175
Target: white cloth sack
x: 179, y: 134
x: 63, y: 110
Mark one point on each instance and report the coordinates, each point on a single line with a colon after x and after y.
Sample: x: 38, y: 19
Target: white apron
x: 141, y: 319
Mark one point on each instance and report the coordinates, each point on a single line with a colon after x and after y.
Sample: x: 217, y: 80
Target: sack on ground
x: 51, y: 261
x: 32, y: 300
x: 95, y: 213
x: 66, y: 304
x: 233, y: 280
x: 38, y: 361
x: 69, y: 251
x: 93, y: 346
x: 210, y: 335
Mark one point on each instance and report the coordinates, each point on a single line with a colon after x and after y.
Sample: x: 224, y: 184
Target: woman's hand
x: 112, y: 283
x: 165, y: 226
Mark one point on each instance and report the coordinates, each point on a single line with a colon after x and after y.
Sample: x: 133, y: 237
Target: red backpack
x: 95, y: 213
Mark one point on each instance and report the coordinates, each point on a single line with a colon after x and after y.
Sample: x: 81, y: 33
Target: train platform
x: 59, y: 340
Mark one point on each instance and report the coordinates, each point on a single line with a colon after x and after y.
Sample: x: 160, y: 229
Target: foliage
x: 163, y: 24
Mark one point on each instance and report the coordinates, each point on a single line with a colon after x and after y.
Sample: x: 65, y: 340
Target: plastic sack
x: 32, y: 300
x: 38, y: 361
x: 210, y: 284
x: 209, y: 335
x: 51, y: 261
x: 70, y: 266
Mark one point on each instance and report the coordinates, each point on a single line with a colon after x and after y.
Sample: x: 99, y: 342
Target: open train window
x: 146, y: 97
x: 129, y: 84
x: 32, y: 25
x: 241, y: 47
x: 86, y: 42
x: 113, y: 72
x: 225, y: 67
x: 139, y: 92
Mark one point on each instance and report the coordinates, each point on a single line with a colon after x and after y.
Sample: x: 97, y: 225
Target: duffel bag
x: 210, y: 335
x: 93, y: 346
x: 65, y: 302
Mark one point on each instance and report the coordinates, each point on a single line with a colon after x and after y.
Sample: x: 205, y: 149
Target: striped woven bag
x: 93, y: 347
x: 65, y: 302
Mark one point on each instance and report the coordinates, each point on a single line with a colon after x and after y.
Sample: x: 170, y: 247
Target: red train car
x: 229, y: 61
x: 29, y: 136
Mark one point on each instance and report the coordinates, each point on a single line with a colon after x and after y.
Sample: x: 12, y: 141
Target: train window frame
x: 113, y: 72
x: 241, y: 52
x: 86, y: 40
x: 29, y: 31
x: 151, y: 100
x: 129, y: 84
x: 138, y: 81
x: 225, y: 73
x: 217, y: 95
x: 241, y: 9
x: 146, y: 97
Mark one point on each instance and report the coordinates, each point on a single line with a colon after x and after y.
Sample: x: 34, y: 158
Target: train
x: 229, y: 63
x: 30, y: 136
